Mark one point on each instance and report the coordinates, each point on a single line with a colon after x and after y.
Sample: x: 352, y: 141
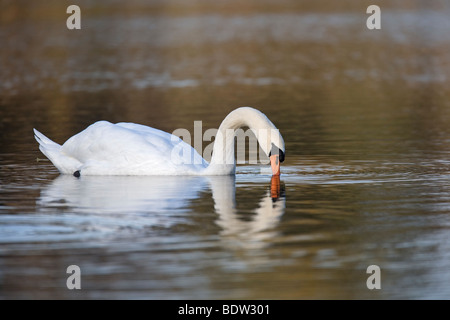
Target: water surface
x: 365, y: 116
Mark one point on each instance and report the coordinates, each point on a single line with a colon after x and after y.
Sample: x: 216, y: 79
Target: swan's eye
x: 281, y: 156
x: 276, y: 150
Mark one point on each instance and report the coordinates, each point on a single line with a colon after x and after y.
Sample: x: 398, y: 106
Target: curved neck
x: 223, y: 158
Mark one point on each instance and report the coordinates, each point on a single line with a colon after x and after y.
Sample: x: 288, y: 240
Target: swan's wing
x: 176, y: 146
x: 145, y: 130
x: 106, y: 148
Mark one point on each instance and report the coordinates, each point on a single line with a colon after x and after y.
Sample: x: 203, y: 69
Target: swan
x: 123, y: 148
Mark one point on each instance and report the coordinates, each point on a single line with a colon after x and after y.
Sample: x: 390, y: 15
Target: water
x: 365, y: 116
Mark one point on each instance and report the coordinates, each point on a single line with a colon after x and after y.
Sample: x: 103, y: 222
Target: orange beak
x: 275, y: 164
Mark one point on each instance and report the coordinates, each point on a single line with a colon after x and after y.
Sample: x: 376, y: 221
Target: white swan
x: 132, y: 149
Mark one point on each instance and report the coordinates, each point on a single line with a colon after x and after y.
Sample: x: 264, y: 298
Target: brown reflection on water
x: 167, y: 65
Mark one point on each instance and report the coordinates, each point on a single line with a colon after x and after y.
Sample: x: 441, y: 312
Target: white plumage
x: 105, y: 148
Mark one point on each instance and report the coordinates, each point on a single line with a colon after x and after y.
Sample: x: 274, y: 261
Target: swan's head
x: 276, y: 156
x: 274, y: 149
x: 269, y: 138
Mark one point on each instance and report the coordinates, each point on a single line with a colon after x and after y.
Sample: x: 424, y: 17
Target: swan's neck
x: 223, y: 158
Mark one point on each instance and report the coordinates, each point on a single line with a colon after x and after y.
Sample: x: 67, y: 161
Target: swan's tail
x: 52, y: 151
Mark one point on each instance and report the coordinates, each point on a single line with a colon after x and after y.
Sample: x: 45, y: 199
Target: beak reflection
x: 276, y: 189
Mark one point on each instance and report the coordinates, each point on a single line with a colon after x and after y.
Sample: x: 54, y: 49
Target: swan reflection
x: 142, y: 202
x: 267, y: 214
x: 120, y: 194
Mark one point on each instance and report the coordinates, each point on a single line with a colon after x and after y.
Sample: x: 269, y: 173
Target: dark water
x: 365, y: 115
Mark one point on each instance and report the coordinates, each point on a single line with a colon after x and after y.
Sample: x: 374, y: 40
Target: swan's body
x: 132, y: 149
